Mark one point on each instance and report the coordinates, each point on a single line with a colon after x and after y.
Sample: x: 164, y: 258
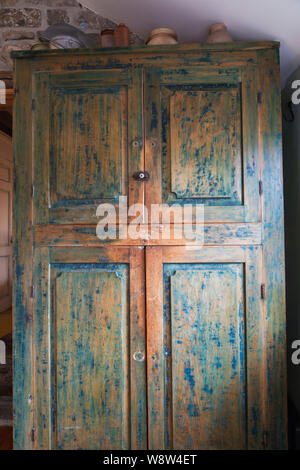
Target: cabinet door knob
x: 141, y: 176
x: 137, y: 143
x: 138, y: 356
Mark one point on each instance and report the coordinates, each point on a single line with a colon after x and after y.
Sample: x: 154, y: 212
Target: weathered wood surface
x: 88, y: 138
x: 91, y: 357
x: 243, y: 248
x: 273, y: 250
x: 155, y: 234
x: 205, y: 128
x: 204, y: 315
x: 207, y: 311
x: 195, y: 48
x: 155, y: 348
x: 22, y: 266
x: 89, y: 321
x: 195, y: 156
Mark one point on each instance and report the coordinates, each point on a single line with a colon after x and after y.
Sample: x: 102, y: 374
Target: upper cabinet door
x: 88, y: 142
x: 201, y: 134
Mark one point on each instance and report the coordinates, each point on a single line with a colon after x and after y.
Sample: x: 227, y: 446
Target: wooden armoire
x: 136, y: 343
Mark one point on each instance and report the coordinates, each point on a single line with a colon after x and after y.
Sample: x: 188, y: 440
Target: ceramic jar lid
x: 162, y: 36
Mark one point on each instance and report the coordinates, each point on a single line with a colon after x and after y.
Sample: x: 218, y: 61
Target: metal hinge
x: 32, y: 292
x: 262, y: 291
x: 259, y: 97
x: 32, y: 190
x: 260, y: 187
x: 32, y: 434
x: 33, y: 104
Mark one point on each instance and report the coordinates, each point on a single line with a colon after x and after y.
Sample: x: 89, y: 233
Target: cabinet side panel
x: 273, y: 248
x: 22, y: 220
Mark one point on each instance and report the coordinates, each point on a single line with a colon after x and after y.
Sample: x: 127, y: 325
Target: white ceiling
x: 251, y: 20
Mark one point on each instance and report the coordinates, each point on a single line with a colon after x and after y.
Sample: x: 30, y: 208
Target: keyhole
x: 138, y: 356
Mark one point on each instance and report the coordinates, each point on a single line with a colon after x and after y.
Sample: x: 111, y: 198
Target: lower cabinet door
x: 89, y: 348
x: 206, y: 363
x: 205, y: 343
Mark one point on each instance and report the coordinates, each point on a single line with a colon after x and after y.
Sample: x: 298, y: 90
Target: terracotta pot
x: 218, y: 33
x: 162, y: 36
x: 107, y: 38
x: 121, y: 35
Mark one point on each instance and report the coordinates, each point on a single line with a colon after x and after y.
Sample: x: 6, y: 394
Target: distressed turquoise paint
x: 86, y: 149
x: 196, y: 145
x: 90, y: 356
x: 205, y: 369
x: 273, y: 253
x: 81, y: 126
x: 22, y: 255
x: 265, y: 339
x: 216, y: 173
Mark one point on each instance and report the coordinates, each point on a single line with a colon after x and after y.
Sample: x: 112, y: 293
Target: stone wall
x: 21, y: 21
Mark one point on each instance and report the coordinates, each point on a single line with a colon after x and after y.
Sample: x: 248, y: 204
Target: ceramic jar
x: 121, y: 35
x: 162, y: 36
x: 107, y: 38
x: 218, y: 33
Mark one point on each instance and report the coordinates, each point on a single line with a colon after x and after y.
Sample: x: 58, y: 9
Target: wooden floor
x: 5, y: 323
x: 6, y: 438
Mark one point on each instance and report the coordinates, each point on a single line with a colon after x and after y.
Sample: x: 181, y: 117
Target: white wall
x: 246, y: 20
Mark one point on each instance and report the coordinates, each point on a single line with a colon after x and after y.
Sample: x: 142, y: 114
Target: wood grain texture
x: 204, y: 314
x: 138, y: 386
x: 196, y: 48
x: 42, y: 351
x: 22, y: 255
x: 155, y: 349
x: 91, y: 357
x: 273, y: 253
x: 86, y: 153
x: 195, y: 308
x: 157, y: 234
x: 205, y: 144
x: 86, y: 127
x: 205, y: 128
x: 6, y: 184
x: 149, y: 402
x: 89, y: 321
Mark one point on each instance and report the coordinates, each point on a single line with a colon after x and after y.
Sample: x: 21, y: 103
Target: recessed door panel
x: 92, y: 357
x: 204, y: 331
x: 88, y: 142
x: 202, y: 141
x: 205, y: 341
x: 205, y: 143
x: 89, y: 322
